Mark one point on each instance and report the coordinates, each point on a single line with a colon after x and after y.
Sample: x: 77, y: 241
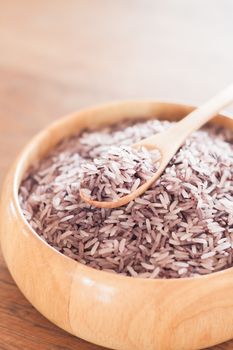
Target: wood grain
x: 58, y: 56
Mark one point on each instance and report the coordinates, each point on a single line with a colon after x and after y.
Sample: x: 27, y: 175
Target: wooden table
x: 58, y: 56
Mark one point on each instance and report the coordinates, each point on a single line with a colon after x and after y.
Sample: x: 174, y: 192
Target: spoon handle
x: 169, y: 141
x: 202, y: 115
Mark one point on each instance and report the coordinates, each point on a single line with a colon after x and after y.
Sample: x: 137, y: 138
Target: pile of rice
x: 181, y: 227
x: 118, y: 172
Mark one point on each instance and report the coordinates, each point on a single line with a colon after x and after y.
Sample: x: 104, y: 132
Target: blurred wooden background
x: 58, y: 56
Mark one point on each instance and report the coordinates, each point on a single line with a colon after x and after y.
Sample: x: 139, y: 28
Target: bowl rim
x: 23, y: 156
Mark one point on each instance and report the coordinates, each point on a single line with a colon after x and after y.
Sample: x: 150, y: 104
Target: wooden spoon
x: 168, y: 142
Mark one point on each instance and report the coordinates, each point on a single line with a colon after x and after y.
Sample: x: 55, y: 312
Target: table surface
x: 59, y: 56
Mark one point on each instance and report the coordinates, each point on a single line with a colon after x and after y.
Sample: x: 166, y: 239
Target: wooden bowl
x: 108, y: 309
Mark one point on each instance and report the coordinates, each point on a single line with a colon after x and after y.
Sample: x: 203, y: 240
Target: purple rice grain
x: 180, y: 227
